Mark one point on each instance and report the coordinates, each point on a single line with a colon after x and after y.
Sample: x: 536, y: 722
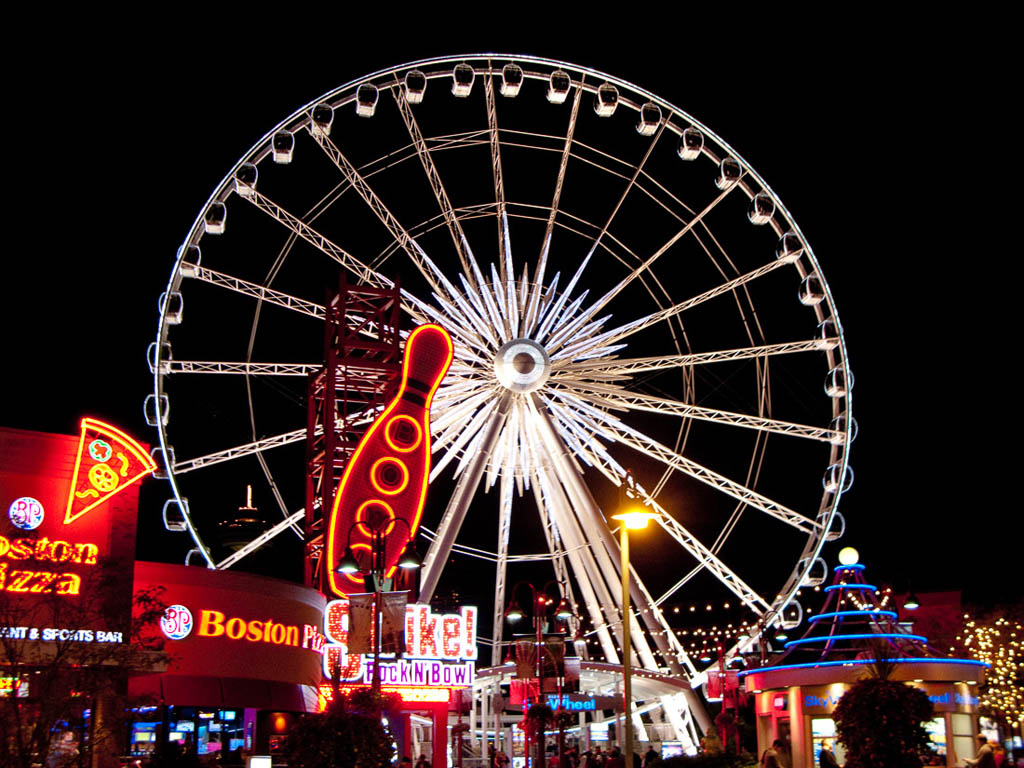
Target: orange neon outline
x: 355, y: 578
x: 401, y: 417
x: 359, y: 520
x: 116, y: 434
x: 372, y: 431
x: 401, y: 465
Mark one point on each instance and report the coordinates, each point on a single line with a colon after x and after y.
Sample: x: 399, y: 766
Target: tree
x: 48, y: 645
x: 996, y: 638
x: 880, y: 721
x: 348, y: 734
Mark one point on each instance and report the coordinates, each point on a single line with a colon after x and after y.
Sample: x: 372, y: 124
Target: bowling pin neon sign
x: 386, y: 477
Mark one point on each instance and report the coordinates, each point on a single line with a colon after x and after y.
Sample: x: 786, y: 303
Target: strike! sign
x: 440, y: 649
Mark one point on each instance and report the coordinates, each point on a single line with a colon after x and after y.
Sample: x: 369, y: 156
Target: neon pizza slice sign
x: 108, y: 461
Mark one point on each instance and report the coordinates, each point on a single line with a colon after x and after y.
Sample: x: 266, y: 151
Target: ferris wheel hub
x: 522, y: 365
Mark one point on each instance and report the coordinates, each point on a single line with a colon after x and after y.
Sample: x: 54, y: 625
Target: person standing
x: 827, y: 759
x: 772, y: 757
x: 985, y: 758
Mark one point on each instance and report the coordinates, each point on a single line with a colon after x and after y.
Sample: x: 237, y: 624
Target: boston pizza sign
x: 68, y: 508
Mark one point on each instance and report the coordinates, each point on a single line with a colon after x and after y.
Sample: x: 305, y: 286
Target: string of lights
x: 997, y: 642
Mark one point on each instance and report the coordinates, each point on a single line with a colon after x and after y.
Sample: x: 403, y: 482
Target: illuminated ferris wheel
x: 624, y: 292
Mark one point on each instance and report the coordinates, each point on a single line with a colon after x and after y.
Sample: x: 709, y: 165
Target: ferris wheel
x: 626, y: 296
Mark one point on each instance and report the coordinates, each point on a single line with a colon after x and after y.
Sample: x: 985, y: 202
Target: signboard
x: 945, y: 697
x: 231, y: 624
x: 440, y: 649
x: 386, y: 477
x: 585, y: 702
x: 68, y: 508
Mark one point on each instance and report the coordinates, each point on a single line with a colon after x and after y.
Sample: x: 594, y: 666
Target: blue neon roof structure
x: 840, y: 614
x: 859, y: 636
x: 834, y: 587
x: 856, y: 662
x: 847, y: 632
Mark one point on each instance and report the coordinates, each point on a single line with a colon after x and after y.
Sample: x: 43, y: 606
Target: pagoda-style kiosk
x: 796, y: 693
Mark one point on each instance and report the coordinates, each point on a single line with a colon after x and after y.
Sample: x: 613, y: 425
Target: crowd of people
x: 596, y: 757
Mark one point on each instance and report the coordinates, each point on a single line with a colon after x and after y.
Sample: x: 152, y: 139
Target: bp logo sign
x: 176, y: 623
x: 26, y: 513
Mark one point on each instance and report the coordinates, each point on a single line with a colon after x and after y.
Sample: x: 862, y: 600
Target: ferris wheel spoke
x: 464, y: 326
x: 249, y: 369
x: 631, y: 183
x: 642, y: 268
x: 504, y: 247
x: 484, y: 301
x: 259, y: 292
x: 705, y: 557
x: 625, y: 367
x: 465, y: 488
x: 624, y: 331
x: 533, y: 309
x: 618, y: 398
x: 427, y: 268
x: 323, y: 244
x: 434, y: 178
x: 501, y: 568
x: 649, y: 447
x: 592, y: 524
x: 259, y: 541
x: 502, y: 296
x: 238, y: 451
x: 456, y: 436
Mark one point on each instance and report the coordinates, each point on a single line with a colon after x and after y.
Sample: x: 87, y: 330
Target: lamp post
x: 378, y: 527
x: 631, y: 517
x: 541, y: 601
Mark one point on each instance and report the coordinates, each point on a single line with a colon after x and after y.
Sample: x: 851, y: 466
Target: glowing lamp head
x: 348, y: 563
x: 849, y: 556
x: 514, y: 612
x: 563, y: 612
x: 410, y: 558
x: 911, y: 603
x: 635, y: 518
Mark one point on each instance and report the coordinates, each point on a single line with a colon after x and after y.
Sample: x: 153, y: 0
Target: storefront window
x: 963, y: 735
x: 936, y: 740
x: 823, y: 731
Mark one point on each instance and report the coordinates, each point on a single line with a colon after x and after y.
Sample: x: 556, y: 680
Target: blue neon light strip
x: 868, y: 636
x: 854, y: 567
x: 834, y: 587
x: 835, y: 614
x: 859, y: 662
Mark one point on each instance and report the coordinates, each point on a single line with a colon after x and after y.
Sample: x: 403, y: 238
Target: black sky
x: 885, y: 148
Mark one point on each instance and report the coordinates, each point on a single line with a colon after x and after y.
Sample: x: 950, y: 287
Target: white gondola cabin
x: 462, y: 80
x: 607, y: 100
x: 650, y: 119
x: 415, y: 86
x: 511, y: 80
x: 366, y: 100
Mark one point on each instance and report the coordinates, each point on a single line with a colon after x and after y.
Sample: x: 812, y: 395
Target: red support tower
x: 362, y: 365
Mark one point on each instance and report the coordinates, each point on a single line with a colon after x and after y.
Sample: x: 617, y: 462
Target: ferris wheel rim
x: 224, y: 189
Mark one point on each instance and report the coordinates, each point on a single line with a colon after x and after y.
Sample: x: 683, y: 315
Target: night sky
x: 885, y: 151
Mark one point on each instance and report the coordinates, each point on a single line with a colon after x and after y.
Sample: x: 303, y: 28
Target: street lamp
x: 632, y: 517
x: 378, y: 527
x: 541, y: 602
